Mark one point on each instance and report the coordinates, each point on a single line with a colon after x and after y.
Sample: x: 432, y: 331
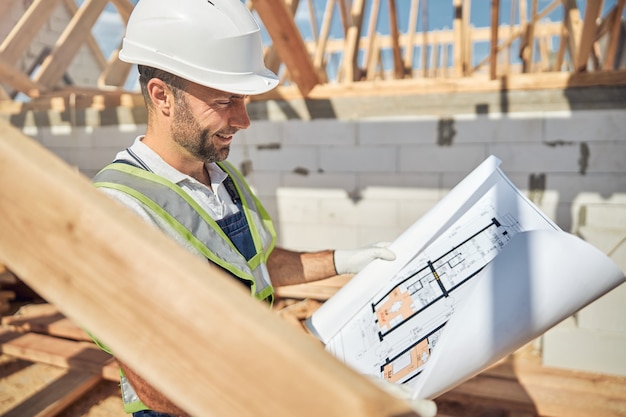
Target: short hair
x: 146, y: 73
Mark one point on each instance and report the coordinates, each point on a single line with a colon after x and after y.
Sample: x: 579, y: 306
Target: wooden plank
x: 124, y: 8
x: 6, y: 276
x: 395, y: 43
x: 372, y: 50
x: 350, y: 67
x: 287, y: 40
x: 458, y: 45
x: 543, y: 394
x: 116, y: 72
x: 587, y: 36
x: 63, y: 353
x: 320, y: 46
x: 319, y: 290
x: 93, y: 257
x: 409, y: 45
x: 72, y: 38
x: 25, y: 30
x: 493, y: 55
x: 16, y: 79
x: 614, y: 32
x: 571, y: 19
x: 5, y: 8
x: 56, y: 396
x: 52, y: 323
x: 90, y: 40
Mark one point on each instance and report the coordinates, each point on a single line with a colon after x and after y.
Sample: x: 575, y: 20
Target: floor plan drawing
x: 482, y: 272
x: 401, y: 325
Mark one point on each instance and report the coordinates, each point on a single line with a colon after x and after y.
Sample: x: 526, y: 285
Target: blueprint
x: 390, y: 320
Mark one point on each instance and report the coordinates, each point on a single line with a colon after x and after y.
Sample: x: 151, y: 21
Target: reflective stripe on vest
x: 195, y: 225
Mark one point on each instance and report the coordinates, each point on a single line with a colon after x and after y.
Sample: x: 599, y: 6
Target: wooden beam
x: 124, y: 8
x: 394, y: 33
x: 409, y: 45
x: 372, y: 50
x: 353, y: 37
x: 63, y: 353
x: 72, y: 38
x: 56, y: 396
x: 109, y: 271
x: 116, y: 72
x: 5, y: 8
x: 25, y: 30
x: 527, y: 47
x: 320, y: 45
x: 19, y: 81
x: 493, y: 55
x: 458, y: 43
x: 419, y: 86
x: 90, y: 41
x: 571, y: 19
x: 587, y: 36
x: 425, y: 34
x: 614, y: 31
x: 287, y: 40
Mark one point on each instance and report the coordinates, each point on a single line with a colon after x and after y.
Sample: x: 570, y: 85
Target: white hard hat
x: 215, y: 43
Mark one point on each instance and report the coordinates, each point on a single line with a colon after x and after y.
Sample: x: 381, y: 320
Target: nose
x: 239, y: 116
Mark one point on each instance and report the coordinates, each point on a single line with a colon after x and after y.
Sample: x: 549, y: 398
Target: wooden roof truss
x: 587, y: 42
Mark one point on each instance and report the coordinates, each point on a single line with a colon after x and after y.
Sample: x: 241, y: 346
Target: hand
x: 351, y: 261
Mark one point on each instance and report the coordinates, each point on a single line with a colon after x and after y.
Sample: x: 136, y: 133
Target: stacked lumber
x: 39, y: 335
x: 7, y: 278
x: 518, y: 386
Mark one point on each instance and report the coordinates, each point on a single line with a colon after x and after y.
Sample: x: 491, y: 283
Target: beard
x: 187, y: 132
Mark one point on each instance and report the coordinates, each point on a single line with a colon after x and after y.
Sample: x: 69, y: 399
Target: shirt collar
x: 157, y: 165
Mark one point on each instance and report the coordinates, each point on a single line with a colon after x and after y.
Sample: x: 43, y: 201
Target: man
x: 198, y: 61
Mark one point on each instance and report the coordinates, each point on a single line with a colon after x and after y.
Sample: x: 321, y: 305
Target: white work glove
x: 423, y: 408
x: 351, y: 261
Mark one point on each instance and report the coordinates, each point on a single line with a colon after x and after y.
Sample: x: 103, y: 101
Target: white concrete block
x: 417, y: 130
x: 606, y: 313
x: 374, y: 234
x: 261, y: 132
x: 320, y: 132
x: 502, y: 129
x: 310, y: 237
x: 264, y: 184
x: 114, y: 136
x: 598, y: 351
x: 536, y: 158
x: 604, y: 216
x: 337, y: 180
x: 364, y: 212
x: 607, y: 157
x: 411, y: 211
x: 286, y: 159
x: 437, y: 159
x: 585, y: 126
x: 571, y: 186
x: 357, y: 159
x: 298, y: 205
x: 406, y: 180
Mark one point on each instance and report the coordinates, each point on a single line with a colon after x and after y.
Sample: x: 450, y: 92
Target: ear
x: 161, y: 96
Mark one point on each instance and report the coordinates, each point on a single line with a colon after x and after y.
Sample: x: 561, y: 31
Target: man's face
x: 205, y: 120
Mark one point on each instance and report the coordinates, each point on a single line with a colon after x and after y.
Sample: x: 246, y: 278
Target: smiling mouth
x: 224, y: 138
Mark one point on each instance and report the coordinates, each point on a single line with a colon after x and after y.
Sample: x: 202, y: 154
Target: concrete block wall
x: 347, y: 181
